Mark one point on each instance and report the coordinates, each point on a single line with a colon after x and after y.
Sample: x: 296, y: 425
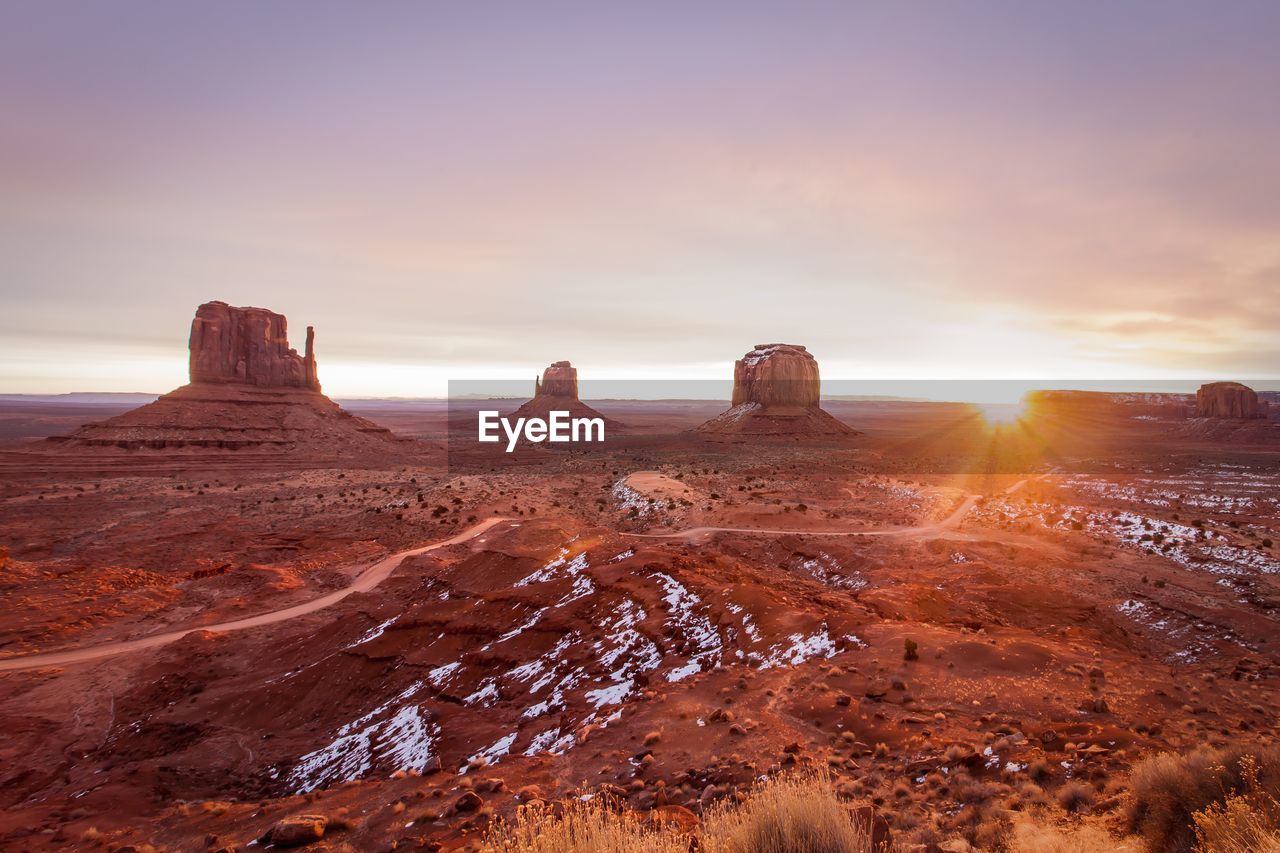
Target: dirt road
x: 367, y: 580
x: 381, y: 570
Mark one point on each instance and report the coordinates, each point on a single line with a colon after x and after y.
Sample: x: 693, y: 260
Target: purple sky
x: 929, y: 190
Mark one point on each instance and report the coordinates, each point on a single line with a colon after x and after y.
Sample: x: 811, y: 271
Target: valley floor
x: 192, y: 652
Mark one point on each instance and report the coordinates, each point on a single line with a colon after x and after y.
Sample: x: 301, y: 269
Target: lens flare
x: 1002, y: 414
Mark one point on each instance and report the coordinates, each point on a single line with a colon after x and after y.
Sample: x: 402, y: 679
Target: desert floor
x: 195, y: 645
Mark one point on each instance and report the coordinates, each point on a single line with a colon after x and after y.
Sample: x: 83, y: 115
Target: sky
x: 930, y: 190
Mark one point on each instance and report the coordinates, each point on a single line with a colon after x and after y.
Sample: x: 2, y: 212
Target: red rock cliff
x: 777, y: 375
x: 248, y: 346
x: 1229, y: 400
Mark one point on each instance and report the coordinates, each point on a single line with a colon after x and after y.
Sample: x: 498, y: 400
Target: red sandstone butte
x: 1229, y: 400
x: 558, y: 380
x: 777, y: 375
x: 249, y: 390
x: 557, y: 390
x: 248, y: 346
x: 776, y: 391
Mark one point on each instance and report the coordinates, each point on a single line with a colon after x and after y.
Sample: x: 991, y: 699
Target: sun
x: 1002, y: 414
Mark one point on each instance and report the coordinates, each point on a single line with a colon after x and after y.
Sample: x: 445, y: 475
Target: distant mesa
x: 1229, y: 400
x: 557, y: 390
x: 1163, y: 406
x: 249, y: 390
x: 1220, y: 412
x: 776, y: 391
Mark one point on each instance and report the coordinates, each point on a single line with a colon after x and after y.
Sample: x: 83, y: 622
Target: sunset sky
x: 924, y: 190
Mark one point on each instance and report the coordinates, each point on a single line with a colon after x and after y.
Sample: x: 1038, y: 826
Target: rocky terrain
x: 204, y: 653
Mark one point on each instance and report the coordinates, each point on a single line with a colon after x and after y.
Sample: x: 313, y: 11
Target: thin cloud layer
x: 983, y: 192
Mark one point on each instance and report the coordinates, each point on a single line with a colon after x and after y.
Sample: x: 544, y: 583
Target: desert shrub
x: 1245, y: 823
x: 1167, y: 790
x: 1237, y: 826
x: 968, y: 790
x: 1075, y: 795
x: 1031, y: 794
x: 1036, y: 834
x: 910, y: 650
x: 1039, y: 770
x: 788, y: 814
x: 581, y: 828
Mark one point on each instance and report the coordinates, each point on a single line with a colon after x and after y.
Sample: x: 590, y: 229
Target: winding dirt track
x: 366, y: 581
x: 381, y: 570
x: 950, y: 521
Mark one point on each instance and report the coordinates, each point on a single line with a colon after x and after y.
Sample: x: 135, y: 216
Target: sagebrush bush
x: 1039, y: 835
x: 1075, y: 795
x: 1245, y: 823
x: 1166, y: 790
x: 788, y: 814
x: 581, y: 828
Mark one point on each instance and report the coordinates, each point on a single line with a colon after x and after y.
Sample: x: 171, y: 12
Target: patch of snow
x: 441, y: 674
x: 552, y: 569
x: 492, y: 753
x: 614, y: 694
x: 486, y: 695
x: 373, y: 633
x: 819, y: 644
x: 400, y: 739
x: 683, y: 617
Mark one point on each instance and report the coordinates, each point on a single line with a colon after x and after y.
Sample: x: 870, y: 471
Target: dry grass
x: 1168, y: 790
x: 581, y: 828
x: 790, y: 814
x: 1244, y: 823
x: 1038, y: 835
x: 1208, y: 801
x: 1236, y: 826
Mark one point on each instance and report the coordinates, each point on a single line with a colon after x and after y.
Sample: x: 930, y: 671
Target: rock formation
x: 557, y: 390
x: 558, y: 380
x: 249, y: 390
x: 1229, y: 400
x: 776, y: 391
x: 776, y: 375
x: 248, y: 346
